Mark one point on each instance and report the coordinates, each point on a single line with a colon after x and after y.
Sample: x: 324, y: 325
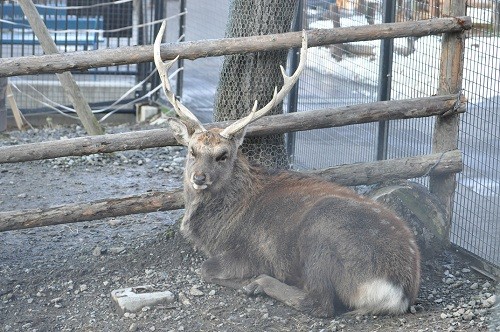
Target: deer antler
x: 163, y: 68
x: 278, y: 96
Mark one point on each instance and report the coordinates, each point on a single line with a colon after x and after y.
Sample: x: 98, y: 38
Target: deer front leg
x: 291, y: 296
x: 276, y: 289
x: 224, y: 271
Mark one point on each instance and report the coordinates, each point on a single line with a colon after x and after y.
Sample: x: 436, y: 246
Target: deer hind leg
x: 317, y: 305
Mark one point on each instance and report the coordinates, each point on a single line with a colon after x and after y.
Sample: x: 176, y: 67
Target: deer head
x: 212, y: 153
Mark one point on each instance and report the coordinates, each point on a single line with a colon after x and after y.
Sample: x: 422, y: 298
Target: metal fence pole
x: 159, y: 14
x: 294, y: 93
x: 141, y: 67
x: 182, y: 36
x: 385, y: 78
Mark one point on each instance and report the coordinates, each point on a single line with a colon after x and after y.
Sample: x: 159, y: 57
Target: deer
x: 311, y: 244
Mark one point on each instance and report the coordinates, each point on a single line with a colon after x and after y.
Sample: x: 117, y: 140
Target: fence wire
x: 477, y: 205
x: 338, y: 75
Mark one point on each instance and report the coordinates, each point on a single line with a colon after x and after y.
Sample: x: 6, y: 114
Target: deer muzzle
x: 199, y: 181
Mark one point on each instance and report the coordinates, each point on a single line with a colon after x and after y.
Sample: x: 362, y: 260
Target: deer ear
x: 239, y: 136
x: 181, y: 130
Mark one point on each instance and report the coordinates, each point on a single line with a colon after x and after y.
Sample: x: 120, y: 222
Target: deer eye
x: 221, y: 157
x: 192, y: 153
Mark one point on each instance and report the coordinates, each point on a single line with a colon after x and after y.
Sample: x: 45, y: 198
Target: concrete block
x: 133, y: 299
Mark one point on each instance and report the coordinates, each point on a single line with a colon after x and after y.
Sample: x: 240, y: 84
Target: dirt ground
x: 59, y: 278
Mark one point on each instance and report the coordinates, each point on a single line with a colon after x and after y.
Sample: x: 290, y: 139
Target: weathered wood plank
x: 447, y: 163
x: 283, y: 123
x: 77, y: 212
x: 446, y: 127
x: 83, y: 60
x: 354, y: 174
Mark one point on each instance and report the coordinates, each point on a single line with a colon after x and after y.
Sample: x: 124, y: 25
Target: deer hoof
x: 253, y: 288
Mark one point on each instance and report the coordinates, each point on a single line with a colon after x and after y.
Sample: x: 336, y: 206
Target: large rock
x: 423, y: 212
x: 133, y: 299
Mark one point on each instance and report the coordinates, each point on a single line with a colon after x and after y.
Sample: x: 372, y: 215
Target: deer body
x: 309, y: 243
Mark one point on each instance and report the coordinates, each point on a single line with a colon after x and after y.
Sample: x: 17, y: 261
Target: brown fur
x: 312, y: 244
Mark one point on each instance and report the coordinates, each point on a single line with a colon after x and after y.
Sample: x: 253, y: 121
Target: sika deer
x: 309, y: 243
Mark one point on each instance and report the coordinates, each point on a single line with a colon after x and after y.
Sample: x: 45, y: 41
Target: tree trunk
x: 249, y: 77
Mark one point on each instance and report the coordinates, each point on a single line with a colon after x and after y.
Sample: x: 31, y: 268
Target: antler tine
x: 163, y: 68
x: 278, y: 96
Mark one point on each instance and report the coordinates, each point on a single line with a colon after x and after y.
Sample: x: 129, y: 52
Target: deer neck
x: 208, y: 211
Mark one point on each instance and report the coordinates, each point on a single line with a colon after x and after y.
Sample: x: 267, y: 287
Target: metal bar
x: 182, y: 32
x: 294, y: 93
x: 159, y: 13
x: 385, y: 79
x: 141, y: 67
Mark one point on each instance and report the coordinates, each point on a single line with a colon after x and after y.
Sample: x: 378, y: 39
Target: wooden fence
x: 441, y: 165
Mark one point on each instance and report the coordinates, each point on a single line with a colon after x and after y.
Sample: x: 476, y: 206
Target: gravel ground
x: 59, y: 278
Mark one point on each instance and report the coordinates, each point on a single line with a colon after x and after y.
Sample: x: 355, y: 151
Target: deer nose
x: 199, y: 179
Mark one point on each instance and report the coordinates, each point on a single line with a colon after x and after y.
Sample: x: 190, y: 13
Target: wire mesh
x: 477, y: 204
x: 201, y: 76
x: 475, y: 224
x: 338, y: 75
x: 252, y: 77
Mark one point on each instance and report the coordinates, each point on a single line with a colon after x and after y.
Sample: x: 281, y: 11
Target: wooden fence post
x: 3, y: 106
x: 450, y: 82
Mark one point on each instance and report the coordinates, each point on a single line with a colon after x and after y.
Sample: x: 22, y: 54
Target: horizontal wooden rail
x: 331, y: 117
x: 84, y: 60
x: 353, y: 174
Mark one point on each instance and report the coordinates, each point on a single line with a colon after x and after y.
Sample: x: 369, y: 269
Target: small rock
x: 438, y: 300
x: 117, y: 250
x: 98, y: 251
x: 195, y: 291
x: 486, y: 285
x: 114, y: 222
x: 449, y: 281
x: 183, y: 299
x: 83, y: 288
x: 443, y: 315
x: 133, y: 327
x: 468, y: 315
x: 490, y: 301
x: 474, y: 285
x: 56, y: 300
x: 465, y: 270
x: 212, y: 292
